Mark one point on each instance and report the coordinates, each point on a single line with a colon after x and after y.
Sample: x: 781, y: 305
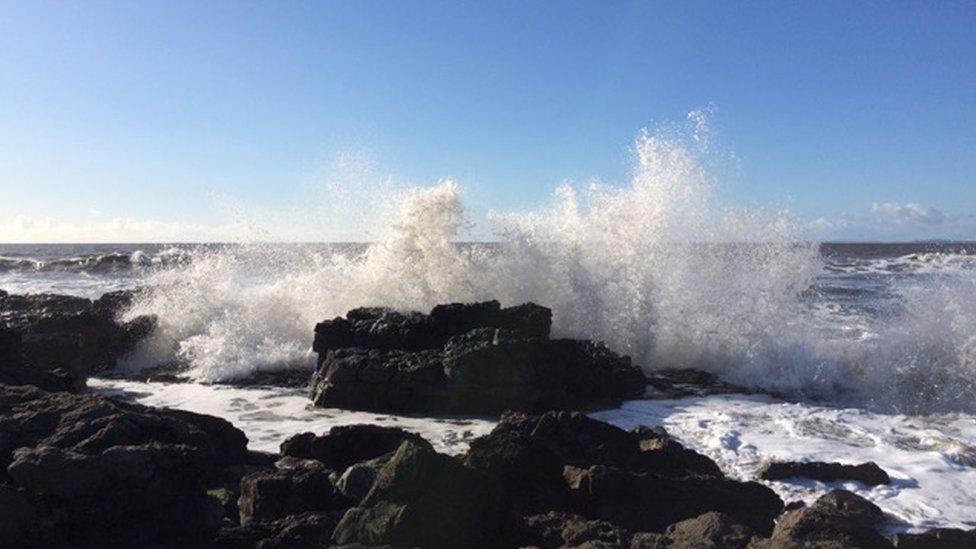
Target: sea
x: 856, y: 351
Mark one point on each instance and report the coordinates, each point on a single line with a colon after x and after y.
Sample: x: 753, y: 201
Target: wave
x: 658, y: 269
x: 98, y: 263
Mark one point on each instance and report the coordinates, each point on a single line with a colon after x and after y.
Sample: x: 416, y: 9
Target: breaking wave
x: 658, y: 269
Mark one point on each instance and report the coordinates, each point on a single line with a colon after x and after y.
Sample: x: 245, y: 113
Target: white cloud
x: 911, y: 211
x: 25, y: 229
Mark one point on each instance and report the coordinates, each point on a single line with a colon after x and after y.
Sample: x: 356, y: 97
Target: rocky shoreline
x: 81, y: 470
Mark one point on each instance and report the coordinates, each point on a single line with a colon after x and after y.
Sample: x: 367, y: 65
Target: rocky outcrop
x: 66, y: 337
x: 463, y: 358
x: 939, y: 538
x: 102, y: 473
x: 424, y: 499
x: 837, y: 519
x: 866, y: 473
x: 346, y: 445
x: 272, y: 495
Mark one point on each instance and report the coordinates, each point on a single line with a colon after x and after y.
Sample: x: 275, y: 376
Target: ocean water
x: 869, y: 349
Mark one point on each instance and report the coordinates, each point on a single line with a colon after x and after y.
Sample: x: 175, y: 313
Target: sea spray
x: 657, y: 268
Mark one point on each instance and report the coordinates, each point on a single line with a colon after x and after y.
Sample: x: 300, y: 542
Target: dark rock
x: 645, y: 502
x: 794, y: 505
x: 301, y: 531
x: 425, y: 499
x: 939, y: 538
x: 273, y: 495
x: 711, y: 530
x: 567, y: 530
x: 680, y: 383
x: 358, y: 479
x: 346, y: 445
x: 126, y: 495
x: 16, y: 514
x: 380, y: 381
x: 836, y: 519
x: 526, y: 455
x: 90, y: 424
x: 649, y: 540
x: 385, y: 329
x: 483, y: 371
x: 866, y: 473
x: 68, y: 333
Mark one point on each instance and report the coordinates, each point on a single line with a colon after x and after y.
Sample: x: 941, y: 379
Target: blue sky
x: 168, y: 120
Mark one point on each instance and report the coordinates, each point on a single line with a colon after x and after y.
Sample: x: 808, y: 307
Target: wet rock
x: 711, y: 530
x: 346, y: 445
x: 663, y: 455
x: 380, y: 381
x: 939, y: 538
x: 866, y: 473
x: 568, y: 530
x: 837, y: 519
x: 385, y: 329
x: 649, y: 503
x: 68, y: 333
x: 272, y: 495
x: 680, y: 383
x: 425, y: 499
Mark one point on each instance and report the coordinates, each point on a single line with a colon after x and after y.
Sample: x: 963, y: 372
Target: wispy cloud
x: 911, y: 211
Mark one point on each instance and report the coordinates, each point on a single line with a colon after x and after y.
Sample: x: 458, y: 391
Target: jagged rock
x: 271, y: 495
x: 126, y: 495
x: 866, y: 473
x: 680, y: 383
x: 710, y: 530
x: 463, y: 358
x: 837, y: 519
x: 649, y: 540
x: 424, y: 499
x: 300, y: 531
x: 384, y: 329
x: 526, y: 455
x: 67, y: 333
x: 568, y: 530
x: 939, y: 538
x: 346, y: 445
x: 649, y: 503
x: 358, y: 479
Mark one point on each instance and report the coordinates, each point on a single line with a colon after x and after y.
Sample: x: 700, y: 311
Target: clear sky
x: 167, y: 120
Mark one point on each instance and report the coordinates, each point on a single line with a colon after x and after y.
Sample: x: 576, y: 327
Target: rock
x: 16, y: 514
x: 385, y: 329
x: 646, y: 502
x: 128, y: 495
x: 272, y: 495
x: 866, y: 473
x: 379, y: 381
x: 680, y: 383
x: 661, y: 454
x: 526, y: 456
x: 346, y: 445
x: 71, y: 334
x: 358, y: 479
x: 301, y: 531
x: 939, y: 538
x: 107, y: 473
x: 837, y: 519
x: 567, y: 530
x: 649, y: 540
x: 89, y: 424
x: 710, y: 530
x: 424, y: 499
